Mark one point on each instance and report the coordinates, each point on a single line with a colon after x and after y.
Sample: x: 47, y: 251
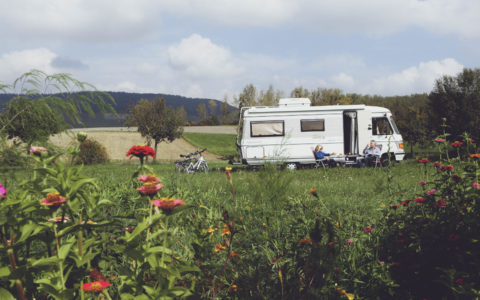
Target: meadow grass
x: 219, y: 144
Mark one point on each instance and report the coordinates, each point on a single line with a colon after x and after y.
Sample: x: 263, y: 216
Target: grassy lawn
x: 219, y: 144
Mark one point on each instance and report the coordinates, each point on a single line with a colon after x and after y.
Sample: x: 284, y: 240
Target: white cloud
x: 15, y: 63
x: 79, y: 19
x: 416, y: 79
x: 342, y: 81
x: 198, y: 57
x: 110, y: 20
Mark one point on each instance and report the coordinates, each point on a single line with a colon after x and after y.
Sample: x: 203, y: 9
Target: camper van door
x: 364, y: 118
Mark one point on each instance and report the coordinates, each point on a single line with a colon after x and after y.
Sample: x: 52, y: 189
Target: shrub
x: 92, y: 152
x: 432, y: 243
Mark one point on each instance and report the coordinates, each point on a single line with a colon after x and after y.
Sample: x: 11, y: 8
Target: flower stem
x: 60, y: 263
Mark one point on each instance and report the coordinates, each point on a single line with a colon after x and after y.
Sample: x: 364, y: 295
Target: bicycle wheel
x: 190, y: 168
x: 203, y: 167
x: 179, y: 168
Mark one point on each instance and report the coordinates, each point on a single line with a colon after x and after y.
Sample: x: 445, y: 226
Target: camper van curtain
x: 274, y: 128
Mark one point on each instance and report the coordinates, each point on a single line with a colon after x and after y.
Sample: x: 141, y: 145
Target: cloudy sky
x: 213, y: 48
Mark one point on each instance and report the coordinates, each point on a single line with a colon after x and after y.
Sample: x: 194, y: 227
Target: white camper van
x: 289, y: 132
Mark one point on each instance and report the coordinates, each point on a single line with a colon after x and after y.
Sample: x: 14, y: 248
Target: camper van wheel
x: 291, y: 166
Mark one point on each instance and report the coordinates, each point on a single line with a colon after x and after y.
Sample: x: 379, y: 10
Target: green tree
x: 248, y: 97
x: 224, y: 109
x: 269, y: 97
x: 30, y: 121
x: 43, y: 103
x: 458, y: 100
x: 212, y: 105
x: 156, y: 121
x: 202, y: 111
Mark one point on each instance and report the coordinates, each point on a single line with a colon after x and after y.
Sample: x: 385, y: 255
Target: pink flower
x: 431, y: 192
x: 349, y: 241
x: 441, y: 203
x: 440, y: 140
x: 59, y: 220
x: 148, y: 178
x: 446, y: 168
x: 382, y: 262
x: 459, y: 280
x: 476, y: 185
x: 422, y: 183
x: 368, y: 229
x: 37, y: 150
x: 167, y: 204
x: 53, y: 200
x: 3, y: 191
x: 150, y: 188
x: 419, y: 199
x: 437, y: 164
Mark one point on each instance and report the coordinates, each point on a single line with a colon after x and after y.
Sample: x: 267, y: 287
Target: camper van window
x: 312, y: 125
x: 267, y: 128
x: 381, y: 126
x: 394, y: 125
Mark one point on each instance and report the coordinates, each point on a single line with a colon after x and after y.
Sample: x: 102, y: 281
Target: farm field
x: 117, y: 141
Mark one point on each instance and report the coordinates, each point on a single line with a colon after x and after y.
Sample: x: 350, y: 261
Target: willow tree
x: 41, y: 104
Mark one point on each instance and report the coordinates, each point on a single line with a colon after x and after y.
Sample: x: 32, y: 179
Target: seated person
x: 319, y: 154
x: 371, y: 152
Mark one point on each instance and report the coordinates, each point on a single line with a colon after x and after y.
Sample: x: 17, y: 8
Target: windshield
x: 394, y: 125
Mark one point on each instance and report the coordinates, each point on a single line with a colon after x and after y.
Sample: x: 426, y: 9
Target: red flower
x: 53, y: 200
x: 423, y: 160
x: 368, y: 229
x: 96, y: 286
x: 441, y: 203
x: 446, y: 168
x: 406, y: 203
x: 475, y: 155
x: 150, y: 188
x: 394, y: 206
x: 313, y: 192
x: 459, y: 280
x: 437, y: 164
x: 141, y: 151
x: 457, y: 144
x: 148, y: 178
x: 167, y: 204
x: 306, y: 241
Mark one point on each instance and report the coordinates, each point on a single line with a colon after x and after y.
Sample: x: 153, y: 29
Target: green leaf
x: 49, y: 261
x: 64, y: 250
x: 4, y: 272
x: 159, y: 249
x: 5, y: 295
x: 77, y: 185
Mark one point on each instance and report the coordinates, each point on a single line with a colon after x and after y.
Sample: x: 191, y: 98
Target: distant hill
x: 125, y: 100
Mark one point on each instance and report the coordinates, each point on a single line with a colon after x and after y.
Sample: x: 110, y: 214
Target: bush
x: 92, y: 152
x: 432, y: 245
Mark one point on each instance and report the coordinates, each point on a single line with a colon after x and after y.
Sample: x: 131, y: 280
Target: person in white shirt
x: 371, y: 152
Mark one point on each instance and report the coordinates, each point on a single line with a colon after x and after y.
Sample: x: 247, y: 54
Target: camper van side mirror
x: 369, y: 126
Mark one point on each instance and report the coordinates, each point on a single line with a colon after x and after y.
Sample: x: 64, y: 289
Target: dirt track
x: 119, y: 140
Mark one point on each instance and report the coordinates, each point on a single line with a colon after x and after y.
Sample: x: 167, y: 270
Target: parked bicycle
x: 192, y: 163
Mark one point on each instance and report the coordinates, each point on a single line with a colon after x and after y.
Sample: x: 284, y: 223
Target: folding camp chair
x: 319, y: 163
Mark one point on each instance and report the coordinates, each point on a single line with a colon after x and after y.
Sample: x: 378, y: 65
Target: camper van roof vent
x: 294, y: 102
